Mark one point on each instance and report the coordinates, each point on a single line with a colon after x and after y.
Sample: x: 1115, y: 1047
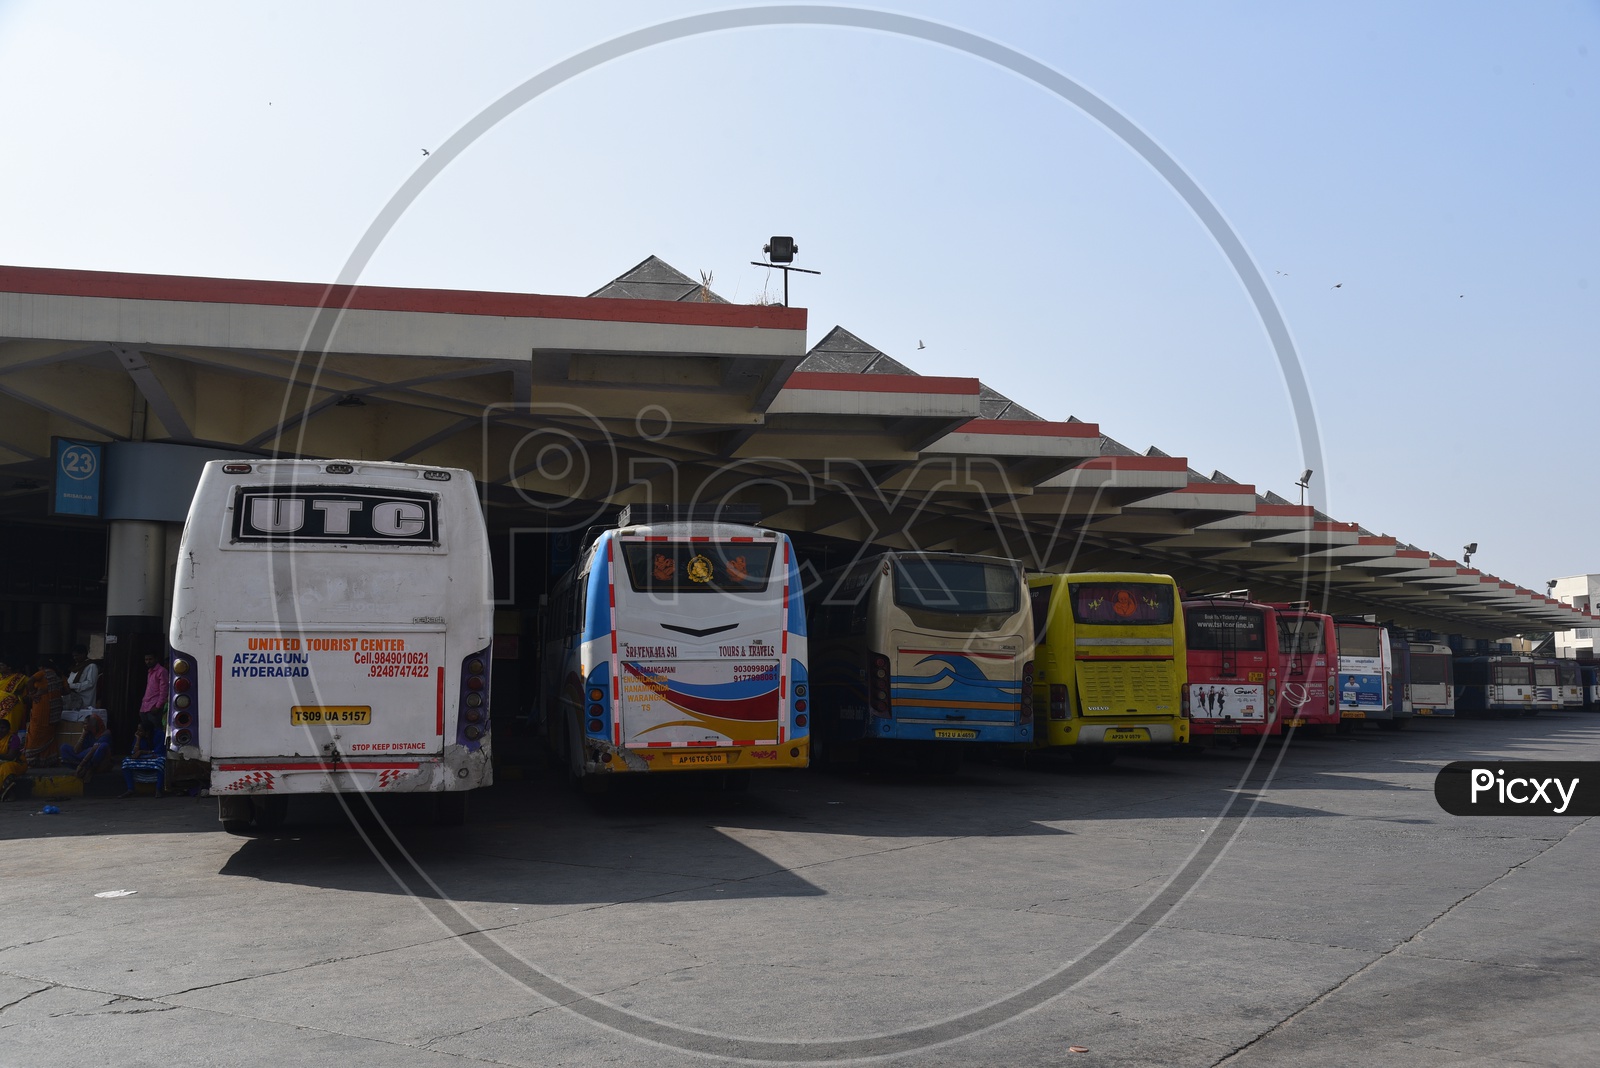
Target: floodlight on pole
x: 1466, y: 553
x: 1305, y: 481
x: 781, y: 252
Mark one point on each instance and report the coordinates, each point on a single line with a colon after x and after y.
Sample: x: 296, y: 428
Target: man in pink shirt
x: 155, y: 695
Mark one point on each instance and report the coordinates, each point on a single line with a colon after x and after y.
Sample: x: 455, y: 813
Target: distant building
x: 1581, y: 592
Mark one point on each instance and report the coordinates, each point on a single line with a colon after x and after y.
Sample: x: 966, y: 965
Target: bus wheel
x: 270, y: 812
x: 450, y: 808
x: 236, y: 814
x: 1346, y: 726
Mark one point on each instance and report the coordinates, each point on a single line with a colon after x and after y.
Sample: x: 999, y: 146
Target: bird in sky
x: 1338, y: 285
x: 424, y: 152
x: 920, y: 345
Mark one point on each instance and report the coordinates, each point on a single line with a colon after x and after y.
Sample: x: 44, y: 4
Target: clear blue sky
x: 1437, y: 162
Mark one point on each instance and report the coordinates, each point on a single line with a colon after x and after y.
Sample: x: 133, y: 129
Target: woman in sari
x: 13, y: 713
x: 47, y: 692
x: 13, y: 709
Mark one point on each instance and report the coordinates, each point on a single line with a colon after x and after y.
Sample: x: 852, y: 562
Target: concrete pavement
x: 1346, y: 921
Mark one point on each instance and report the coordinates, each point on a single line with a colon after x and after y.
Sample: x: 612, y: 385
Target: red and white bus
x: 1233, y: 657
x: 1308, y: 660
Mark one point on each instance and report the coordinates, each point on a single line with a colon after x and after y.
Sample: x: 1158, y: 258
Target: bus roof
x: 694, y: 529
x: 1053, y: 577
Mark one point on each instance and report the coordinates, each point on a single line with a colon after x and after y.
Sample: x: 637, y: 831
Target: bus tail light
x: 1183, y: 702
x: 1058, y: 701
x: 1026, y: 715
x: 180, y: 681
x: 878, y: 685
x: 472, y: 727
x: 597, y: 709
x: 799, y: 686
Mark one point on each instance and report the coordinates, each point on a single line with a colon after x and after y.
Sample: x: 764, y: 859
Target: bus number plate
x: 1352, y: 715
x: 1224, y: 730
x: 329, y: 715
x: 1127, y: 734
x: 951, y: 732
x: 1298, y: 721
x: 684, y: 760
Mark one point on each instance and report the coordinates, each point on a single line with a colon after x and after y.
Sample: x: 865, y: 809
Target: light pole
x: 781, y: 252
x: 1305, y: 481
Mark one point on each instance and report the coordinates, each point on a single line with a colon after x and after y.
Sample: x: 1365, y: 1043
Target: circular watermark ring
x: 1257, y: 775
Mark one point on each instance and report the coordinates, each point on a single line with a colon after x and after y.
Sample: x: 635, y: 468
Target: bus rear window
x: 1513, y: 675
x: 1429, y: 669
x: 1225, y: 629
x: 1300, y: 636
x: 1544, y: 676
x: 1359, y: 641
x: 698, y: 567
x: 1122, y: 603
x: 933, y: 585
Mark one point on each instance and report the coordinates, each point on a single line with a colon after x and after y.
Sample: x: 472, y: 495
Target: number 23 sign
x: 75, y: 488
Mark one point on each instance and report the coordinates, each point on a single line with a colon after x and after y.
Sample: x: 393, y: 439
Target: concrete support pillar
x: 138, y: 595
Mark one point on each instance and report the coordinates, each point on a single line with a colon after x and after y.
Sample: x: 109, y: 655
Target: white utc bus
x: 331, y: 632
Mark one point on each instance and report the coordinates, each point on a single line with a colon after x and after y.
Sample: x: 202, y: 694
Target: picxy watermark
x: 1519, y: 788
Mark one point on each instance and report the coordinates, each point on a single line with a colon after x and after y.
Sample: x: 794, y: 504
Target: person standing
x: 154, y: 702
x: 13, y: 706
x: 46, y: 690
x: 13, y: 714
x: 84, y: 680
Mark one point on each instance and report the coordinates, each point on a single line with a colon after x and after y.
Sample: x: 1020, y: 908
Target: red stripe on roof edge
x: 51, y: 281
x: 1031, y: 428
x: 845, y: 382
x: 1217, y: 487
x: 1137, y: 463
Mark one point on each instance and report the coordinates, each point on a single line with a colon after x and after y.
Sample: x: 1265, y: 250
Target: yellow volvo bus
x: 1109, y: 663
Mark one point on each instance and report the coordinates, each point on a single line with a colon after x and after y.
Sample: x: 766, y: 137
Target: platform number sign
x: 76, y: 477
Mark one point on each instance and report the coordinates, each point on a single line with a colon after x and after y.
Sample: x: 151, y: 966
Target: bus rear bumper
x: 608, y: 759
x: 1119, y: 734
x: 949, y: 731
x: 1206, y: 728
x: 458, y: 769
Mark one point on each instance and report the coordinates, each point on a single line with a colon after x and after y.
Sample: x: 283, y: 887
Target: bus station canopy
x: 654, y: 389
